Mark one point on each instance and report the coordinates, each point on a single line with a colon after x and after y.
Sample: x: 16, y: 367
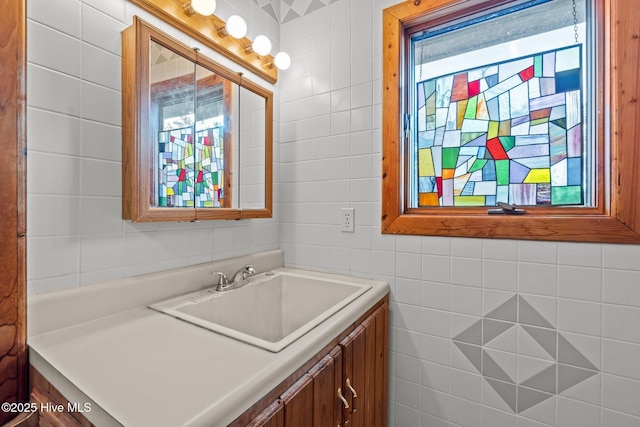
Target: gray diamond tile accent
x: 507, y: 391
x: 569, y: 366
x: 530, y: 316
x: 545, y: 337
x: 288, y: 10
x: 301, y: 6
x: 270, y: 11
x: 490, y: 368
x: 543, y: 381
x: 471, y: 335
x: 507, y: 342
x: 568, y: 376
x: 473, y: 353
x: 492, y: 329
x: 528, y: 398
x: 570, y: 355
x: 290, y: 16
x: 507, y: 311
x: 315, y: 5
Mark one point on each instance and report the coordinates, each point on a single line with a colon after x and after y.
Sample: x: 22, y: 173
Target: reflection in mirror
x: 252, y: 148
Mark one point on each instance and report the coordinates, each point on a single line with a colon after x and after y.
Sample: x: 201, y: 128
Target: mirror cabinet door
x: 197, y: 137
x: 171, y: 119
x: 213, y: 142
x: 252, y: 148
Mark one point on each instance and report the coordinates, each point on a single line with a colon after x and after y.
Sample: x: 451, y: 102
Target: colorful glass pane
x: 191, y: 173
x: 175, y: 168
x: 210, y: 157
x: 506, y: 132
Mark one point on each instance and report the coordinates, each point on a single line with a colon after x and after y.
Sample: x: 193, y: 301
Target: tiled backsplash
x: 485, y: 333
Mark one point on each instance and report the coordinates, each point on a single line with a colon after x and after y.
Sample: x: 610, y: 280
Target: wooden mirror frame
x: 137, y: 147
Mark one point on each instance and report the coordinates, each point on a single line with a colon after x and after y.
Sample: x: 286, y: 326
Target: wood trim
x: 227, y: 102
x: 43, y: 393
x: 137, y: 151
x: 273, y: 416
x: 624, y: 43
x: 382, y: 363
x: 13, y: 350
x: 614, y: 220
x: 297, y: 400
x: 203, y: 29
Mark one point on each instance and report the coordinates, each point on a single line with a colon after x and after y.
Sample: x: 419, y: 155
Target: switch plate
x: 348, y: 220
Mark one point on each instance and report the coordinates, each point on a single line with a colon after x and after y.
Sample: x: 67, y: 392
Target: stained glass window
x: 511, y: 130
x: 507, y: 132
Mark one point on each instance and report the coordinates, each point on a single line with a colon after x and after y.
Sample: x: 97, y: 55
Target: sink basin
x: 273, y: 310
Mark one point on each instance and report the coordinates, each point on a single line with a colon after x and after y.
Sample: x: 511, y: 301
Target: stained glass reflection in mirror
x: 190, y: 127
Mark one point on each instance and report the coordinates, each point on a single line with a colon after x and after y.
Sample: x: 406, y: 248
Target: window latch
x: 506, y: 209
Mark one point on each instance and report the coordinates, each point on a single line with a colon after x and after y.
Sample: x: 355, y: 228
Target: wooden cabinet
x: 364, y: 371
x: 326, y: 375
x: 345, y: 387
x: 296, y: 400
x: 272, y: 416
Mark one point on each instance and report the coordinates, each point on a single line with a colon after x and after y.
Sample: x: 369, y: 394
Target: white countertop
x: 139, y: 367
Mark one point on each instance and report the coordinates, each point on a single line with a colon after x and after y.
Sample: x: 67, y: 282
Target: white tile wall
x: 327, y: 151
x: 75, y: 232
x: 441, y: 286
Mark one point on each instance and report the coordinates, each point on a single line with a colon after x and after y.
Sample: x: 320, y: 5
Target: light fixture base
x: 222, y: 31
x: 188, y: 9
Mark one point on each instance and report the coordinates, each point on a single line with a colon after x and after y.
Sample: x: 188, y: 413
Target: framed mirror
x: 197, y: 137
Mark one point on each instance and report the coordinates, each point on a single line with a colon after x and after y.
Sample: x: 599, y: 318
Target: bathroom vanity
x: 102, y: 348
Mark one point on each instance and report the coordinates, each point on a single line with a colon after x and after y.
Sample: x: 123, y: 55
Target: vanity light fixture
x: 235, y: 27
x: 282, y: 61
x: 203, y: 7
x: 254, y: 55
x: 261, y: 45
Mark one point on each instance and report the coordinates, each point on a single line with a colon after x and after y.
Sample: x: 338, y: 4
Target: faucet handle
x: 222, y: 280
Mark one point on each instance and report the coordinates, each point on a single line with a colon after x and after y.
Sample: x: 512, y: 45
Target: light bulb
x: 282, y: 60
x: 236, y: 27
x: 262, y: 45
x: 204, y: 7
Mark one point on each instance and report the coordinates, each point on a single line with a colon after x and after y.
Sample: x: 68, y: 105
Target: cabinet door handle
x: 341, y: 397
x: 353, y: 391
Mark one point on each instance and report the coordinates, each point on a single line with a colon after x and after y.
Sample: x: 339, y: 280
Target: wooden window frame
x: 616, y: 215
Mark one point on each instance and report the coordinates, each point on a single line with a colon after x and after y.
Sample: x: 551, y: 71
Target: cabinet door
x: 327, y: 376
x: 298, y: 403
x: 380, y: 364
x: 365, y: 371
x: 272, y: 416
x: 353, y: 375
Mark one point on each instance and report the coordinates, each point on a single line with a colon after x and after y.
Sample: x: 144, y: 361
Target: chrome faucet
x: 238, y: 279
